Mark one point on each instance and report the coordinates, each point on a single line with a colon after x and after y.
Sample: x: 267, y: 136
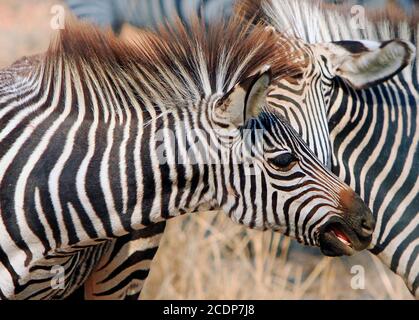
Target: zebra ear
x: 366, y: 63
x: 246, y: 99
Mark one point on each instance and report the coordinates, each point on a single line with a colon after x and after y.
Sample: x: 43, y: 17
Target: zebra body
x: 151, y: 13
x: 99, y: 141
x: 125, y: 266
x: 396, y: 243
x: 372, y: 118
x: 148, y: 13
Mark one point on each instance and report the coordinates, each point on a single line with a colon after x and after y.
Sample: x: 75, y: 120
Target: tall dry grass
x: 205, y: 256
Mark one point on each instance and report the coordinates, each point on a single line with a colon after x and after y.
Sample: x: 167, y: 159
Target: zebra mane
x: 175, y: 63
x: 316, y: 21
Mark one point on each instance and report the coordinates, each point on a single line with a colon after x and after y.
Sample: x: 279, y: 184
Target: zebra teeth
x: 342, y: 238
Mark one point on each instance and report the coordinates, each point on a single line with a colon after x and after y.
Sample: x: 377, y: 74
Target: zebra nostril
x: 367, y: 227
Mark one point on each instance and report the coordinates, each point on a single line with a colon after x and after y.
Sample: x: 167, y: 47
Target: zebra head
x: 278, y: 182
x: 362, y: 123
x: 305, y: 99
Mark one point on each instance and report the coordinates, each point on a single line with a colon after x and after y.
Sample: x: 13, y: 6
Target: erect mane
x: 316, y: 21
x: 174, y: 62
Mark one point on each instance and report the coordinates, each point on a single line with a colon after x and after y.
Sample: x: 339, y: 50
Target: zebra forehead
x: 199, y: 60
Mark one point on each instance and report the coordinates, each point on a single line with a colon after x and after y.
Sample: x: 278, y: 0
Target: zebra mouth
x: 341, y: 237
x: 337, y: 239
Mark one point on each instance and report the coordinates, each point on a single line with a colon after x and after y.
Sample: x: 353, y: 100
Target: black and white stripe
x: 373, y: 131
x: 81, y: 173
x: 147, y: 13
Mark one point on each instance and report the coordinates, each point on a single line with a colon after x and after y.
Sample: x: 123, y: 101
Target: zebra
x: 100, y: 138
x: 148, y: 13
x: 312, y: 123
x: 151, y: 13
x: 365, y: 94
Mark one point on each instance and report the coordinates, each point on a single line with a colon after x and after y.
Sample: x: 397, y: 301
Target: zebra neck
x: 84, y: 161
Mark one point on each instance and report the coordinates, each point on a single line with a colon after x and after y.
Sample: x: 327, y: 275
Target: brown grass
x: 206, y: 256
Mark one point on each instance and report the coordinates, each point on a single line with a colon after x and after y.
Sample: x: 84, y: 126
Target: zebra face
x: 278, y: 182
x: 305, y: 99
x: 302, y: 99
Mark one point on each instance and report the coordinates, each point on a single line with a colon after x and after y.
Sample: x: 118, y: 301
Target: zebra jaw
x: 337, y: 238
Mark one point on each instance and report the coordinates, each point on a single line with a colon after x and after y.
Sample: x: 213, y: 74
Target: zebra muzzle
x: 350, y: 232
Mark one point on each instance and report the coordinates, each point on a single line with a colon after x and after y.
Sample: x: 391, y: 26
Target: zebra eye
x: 284, y: 162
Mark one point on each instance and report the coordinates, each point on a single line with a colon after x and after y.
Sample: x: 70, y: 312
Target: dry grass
x: 206, y: 256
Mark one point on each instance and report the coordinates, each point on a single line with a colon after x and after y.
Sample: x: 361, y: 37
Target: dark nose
x: 367, y: 226
x: 359, y: 215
